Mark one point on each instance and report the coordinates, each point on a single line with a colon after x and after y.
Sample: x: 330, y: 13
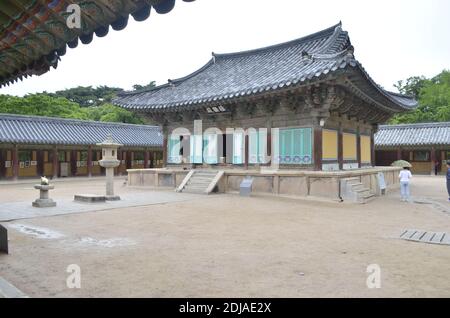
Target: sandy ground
x: 228, y: 246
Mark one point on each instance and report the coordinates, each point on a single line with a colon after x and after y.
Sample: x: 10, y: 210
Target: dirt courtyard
x: 229, y: 246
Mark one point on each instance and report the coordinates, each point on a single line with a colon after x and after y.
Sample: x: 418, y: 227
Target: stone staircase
x: 352, y: 190
x: 200, y: 181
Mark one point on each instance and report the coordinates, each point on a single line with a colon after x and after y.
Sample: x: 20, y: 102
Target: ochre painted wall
x: 48, y: 169
x: 9, y: 171
x: 349, y: 145
x: 329, y: 144
x: 30, y: 171
x: 421, y: 167
x: 96, y: 170
x: 82, y: 171
x: 366, y: 153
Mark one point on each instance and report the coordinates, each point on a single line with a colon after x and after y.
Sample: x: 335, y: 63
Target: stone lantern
x: 109, y: 162
x: 44, y: 200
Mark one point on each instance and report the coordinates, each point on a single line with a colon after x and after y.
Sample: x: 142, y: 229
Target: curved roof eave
x: 16, y: 49
x: 387, y: 94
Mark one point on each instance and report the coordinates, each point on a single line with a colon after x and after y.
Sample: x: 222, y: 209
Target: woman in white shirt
x: 405, y: 176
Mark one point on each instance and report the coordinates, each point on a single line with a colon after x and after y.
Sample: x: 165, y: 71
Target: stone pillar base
x: 44, y: 203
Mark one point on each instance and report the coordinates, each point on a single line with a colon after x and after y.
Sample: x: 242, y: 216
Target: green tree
x: 433, y: 96
x: 150, y: 85
x: 89, y: 96
x: 41, y: 105
x: 412, y: 86
x: 51, y: 106
x: 111, y: 113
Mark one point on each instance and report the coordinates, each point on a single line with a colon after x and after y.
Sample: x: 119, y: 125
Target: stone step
x: 364, y: 196
x: 194, y: 184
x: 212, y: 173
x: 200, y: 181
x: 352, y: 179
x: 203, y: 179
x: 369, y: 198
x: 363, y: 190
x: 357, y: 186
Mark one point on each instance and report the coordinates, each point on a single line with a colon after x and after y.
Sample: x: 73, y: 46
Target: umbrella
x: 402, y: 164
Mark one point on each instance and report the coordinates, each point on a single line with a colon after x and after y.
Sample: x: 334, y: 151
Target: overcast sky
x: 393, y: 40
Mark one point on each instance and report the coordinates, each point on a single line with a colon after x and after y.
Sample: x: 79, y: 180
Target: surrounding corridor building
x: 426, y: 146
x: 32, y: 146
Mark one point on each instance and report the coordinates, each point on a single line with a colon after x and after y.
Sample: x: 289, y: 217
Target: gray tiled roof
x: 235, y: 75
x: 428, y: 134
x: 56, y: 131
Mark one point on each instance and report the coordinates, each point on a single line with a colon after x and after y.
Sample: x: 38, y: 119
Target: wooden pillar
x: 73, y: 163
x: 40, y: 162
x: 399, y: 154
x: 269, y: 144
x: 433, y: 159
x: 443, y: 161
x: 340, y: 148
x: 89, y: 162
x: 2, y: 163
x: 146, y: 159
x: 55, y: 162
x: 128, y: 160
x: 358, y: 147
x: 119, y: 155
x: 118, y: 170
x: 318, y: 148
x: 372, y: 144
x: 151, y: 158
x: 165, y: 151
x: 165, y: 131
x: 247, y: 149
x: 15, y: 162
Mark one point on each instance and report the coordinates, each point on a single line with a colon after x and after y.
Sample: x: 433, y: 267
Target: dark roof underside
x: 34, y: 33
x: 57, y: 131
x: 428, y: 134
x: 290, y: 64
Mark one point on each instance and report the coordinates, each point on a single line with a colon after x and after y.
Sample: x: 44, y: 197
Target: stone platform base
x: 89, y: 198
x: 282, y: 182
x: 44, y: 203
x: 112, y: 198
